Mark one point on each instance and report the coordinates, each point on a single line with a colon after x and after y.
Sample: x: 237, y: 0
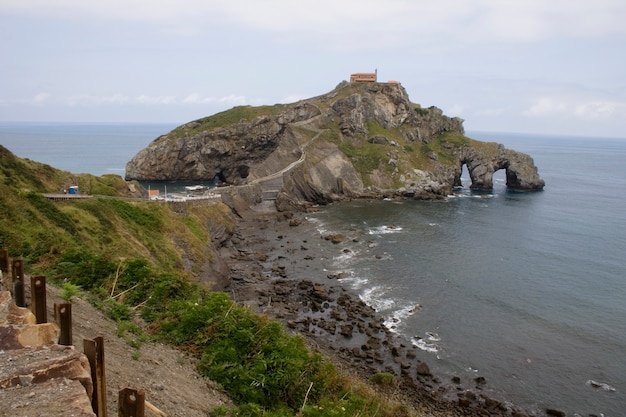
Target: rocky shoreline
x: 274, y: 268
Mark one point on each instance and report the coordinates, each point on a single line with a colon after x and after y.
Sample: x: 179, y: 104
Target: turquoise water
x: 525, y: 289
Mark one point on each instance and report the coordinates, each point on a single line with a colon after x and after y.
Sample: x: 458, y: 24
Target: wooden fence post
x: 4, y: 261
x: 38, y: 298
x: 18, y: 283
x: 94, y: 350
x: 131, y: 402
x: 63, y: 316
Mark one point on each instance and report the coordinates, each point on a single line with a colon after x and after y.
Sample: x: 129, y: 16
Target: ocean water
x: 527, y: 290
x: 92, y: 148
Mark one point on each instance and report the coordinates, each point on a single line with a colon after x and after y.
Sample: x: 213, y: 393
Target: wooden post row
x: 131, y: 402
x: 94, y: 350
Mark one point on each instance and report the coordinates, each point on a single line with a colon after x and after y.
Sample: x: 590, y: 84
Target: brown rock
x: 555, y: 413
x: 336, y: 238
x: 20, y: 315
x: 21, y: 336
x: 41, y: 364
x: 423, y: 369
x: 58, y: 397
x: 12, y: 314
x: 5, y: 302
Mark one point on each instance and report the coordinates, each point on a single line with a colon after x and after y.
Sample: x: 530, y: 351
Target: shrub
x: 69, y: 291
x: 116, y: 311
x: 384, y: 379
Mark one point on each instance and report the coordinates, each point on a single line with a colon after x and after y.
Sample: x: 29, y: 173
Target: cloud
x: 195, y: 98
x: 599, y: 110
x: 41, y: 98
x: 390, y: 20
x: 233, y: 99
x: 120, y: 99
x: 577, y: 108
x: 143, y: 99
x: 546, y: 107
x: 95, y: 100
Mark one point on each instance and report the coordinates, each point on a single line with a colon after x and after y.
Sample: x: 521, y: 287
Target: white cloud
x: 390, y: 20
x: 577, y: 108
x: 598, y: 110
x: 119, y: 99
x: 195, y: 98
x: 233, y: 99
x: 546, y: 107
x: 41, y: 98
x: 95, y: 100
x: 143, y: 99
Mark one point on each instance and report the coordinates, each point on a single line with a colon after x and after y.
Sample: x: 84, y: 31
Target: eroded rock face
x: 226, y: 152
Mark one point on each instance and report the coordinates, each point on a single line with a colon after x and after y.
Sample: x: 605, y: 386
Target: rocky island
x: 361, y: 140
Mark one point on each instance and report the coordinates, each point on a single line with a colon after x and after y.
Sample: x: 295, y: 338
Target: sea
x: 524, y: 289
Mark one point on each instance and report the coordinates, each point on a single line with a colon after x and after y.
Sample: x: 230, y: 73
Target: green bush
x: 117, y: 311
x: 69, y: 291
x: 249, y: 355
x: 82, y: 267
x: 384, y: 379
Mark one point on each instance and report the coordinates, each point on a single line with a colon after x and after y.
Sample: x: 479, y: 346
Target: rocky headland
x: 361, y: 140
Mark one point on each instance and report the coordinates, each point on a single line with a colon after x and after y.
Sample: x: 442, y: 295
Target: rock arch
x: 520, y: 170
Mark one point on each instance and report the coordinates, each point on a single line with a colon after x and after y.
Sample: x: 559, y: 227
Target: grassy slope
x: 128, y: 257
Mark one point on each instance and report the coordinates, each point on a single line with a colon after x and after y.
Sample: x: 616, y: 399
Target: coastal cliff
x: 359, y: 140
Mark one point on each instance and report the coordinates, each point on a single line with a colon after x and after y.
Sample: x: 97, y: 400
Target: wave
x: 382, y: 230
x: 355, y: 283
x: 319, y: 225
x: 397, y: 317
x: 428, y: 343
x: 375, y: 298
x: 600, y: 385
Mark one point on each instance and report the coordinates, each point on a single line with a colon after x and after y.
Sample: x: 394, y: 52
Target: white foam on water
x: 397, y: 317
x: 355, y: 283
x: 375, y: 298
x: 600, y: 385
x: 382, y: 230
x: 425, y: 344
x: 319, y: 225
x: 345, y: 257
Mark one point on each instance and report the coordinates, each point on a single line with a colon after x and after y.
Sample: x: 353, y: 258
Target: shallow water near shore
x: 524, y: 289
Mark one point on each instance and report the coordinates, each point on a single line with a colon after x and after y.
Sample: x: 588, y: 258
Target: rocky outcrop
x: 37, y: 376
x: 360, y: 140
x: 198, y: 152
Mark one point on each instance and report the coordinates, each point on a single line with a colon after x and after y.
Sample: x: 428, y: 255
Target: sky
x: 522, y: 66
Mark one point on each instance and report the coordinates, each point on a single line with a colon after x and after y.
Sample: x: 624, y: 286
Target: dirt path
x: 167, y: 375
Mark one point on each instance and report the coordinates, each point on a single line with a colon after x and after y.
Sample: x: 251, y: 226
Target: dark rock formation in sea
x: 359, y: 140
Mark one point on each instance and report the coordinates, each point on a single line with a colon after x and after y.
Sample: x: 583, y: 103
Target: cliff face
x: 359, y: 140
